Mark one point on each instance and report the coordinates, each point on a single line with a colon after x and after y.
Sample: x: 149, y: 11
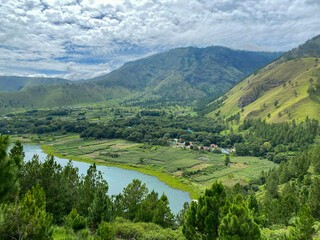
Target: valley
x: 233, y: 134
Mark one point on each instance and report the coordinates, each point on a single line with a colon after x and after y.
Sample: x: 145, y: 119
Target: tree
x: 316, y: 159
x: 27, y: 218
x: 100, y: 208
x: 133, y: 196
x: 147, y: 208
x: 10, y: 167
x: 91, y: 183
x: 304, y: 225
x: 314, y: 196
x: 162, y: 214
x: 238, y: 223
x: 75, y: 221
x: 227, y: 160
x: 181, y: 215
x: 104, y: 232
x: 202, y: 219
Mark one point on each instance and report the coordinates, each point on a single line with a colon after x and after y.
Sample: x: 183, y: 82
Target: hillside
x: 14, y: 83
x: 187, y: 73
x: 179, y: 74
x: 283, y: 90
x: 57, y: 95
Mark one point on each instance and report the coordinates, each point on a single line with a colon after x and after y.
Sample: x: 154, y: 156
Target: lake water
x: 119, y: 178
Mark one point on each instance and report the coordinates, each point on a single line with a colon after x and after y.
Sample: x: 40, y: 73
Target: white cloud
x: 90, y: 37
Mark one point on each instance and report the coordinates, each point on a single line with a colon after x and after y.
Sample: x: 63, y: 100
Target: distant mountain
x: 288, y: 88
x: 179, y: 74
x: 13, y: 83
x: 187, y: 73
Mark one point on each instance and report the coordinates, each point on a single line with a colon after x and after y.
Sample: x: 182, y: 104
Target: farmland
x: 197, y: 168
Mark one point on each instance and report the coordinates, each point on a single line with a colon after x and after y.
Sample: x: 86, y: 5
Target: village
x: 179, y: 143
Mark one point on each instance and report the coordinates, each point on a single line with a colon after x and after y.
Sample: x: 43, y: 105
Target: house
x: 226, y: 151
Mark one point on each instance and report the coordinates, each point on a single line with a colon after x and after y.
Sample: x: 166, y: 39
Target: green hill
x: 179, y: 74
x: 187, y: 73
x: 57, y: 95
x: 285, y: 89
x: 14, y: 83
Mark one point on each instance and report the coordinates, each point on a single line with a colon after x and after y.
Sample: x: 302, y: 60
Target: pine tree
x: 238, y: 223
x: 100, y: 209
x: 147, y: 208
x: 27, y: 218
x: 202, y: 219
x: 10, y: 167
x: 162, y: 214
x: 304, y: 225
x: 133, y: 195
x: 104, y: 232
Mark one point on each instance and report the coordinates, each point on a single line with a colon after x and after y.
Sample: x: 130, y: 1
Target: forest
x: 254, y: 137
x: 42, y: 200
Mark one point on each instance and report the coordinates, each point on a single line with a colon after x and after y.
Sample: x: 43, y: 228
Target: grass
x: 293, y: 98
x: 184, y: 169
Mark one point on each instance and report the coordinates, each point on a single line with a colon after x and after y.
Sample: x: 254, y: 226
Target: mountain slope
x: 278, y: 92
x: 179, y: 74
x: 210, y: 70
x: 13, y: 83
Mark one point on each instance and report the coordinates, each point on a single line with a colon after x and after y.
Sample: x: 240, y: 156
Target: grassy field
x: 180, y: 168
x: 291, y: 93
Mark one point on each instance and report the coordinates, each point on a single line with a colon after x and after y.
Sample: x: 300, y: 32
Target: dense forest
x: 42, y: 198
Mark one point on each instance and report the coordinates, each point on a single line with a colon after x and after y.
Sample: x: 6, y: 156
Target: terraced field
x: 200, y: 167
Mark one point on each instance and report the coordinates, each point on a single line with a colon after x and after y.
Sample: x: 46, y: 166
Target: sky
x: 81, y: 39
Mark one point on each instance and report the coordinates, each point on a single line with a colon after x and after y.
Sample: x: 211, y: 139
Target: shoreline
x: 171, y: 181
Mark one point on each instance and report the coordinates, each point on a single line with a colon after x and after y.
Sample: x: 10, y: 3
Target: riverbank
x: 167, y: 178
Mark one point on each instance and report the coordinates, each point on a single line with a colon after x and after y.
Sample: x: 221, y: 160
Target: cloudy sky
x: 79, y: 39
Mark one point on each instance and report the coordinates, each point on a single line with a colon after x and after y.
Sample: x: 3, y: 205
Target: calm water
x: 118, y: 178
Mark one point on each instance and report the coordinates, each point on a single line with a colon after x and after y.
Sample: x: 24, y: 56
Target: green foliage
x: 10, y: 166
x: 124, y: 229
x: 75, y: 221
x: 314, y: 196
x: 27, y: 218
x: 104, y: 232
x: 147, y: 208
x: 303, y: 225
x: 227, y: 160
x: 92, y: 184
x: 239, y: 223
x: 133, y: 195
x: 181, y: 215
x: 202, y: 219
x: 60, y: 184
x: 100, y: 208
x: 308, y: 49
x: 262, y: 138
x: 162, y: 214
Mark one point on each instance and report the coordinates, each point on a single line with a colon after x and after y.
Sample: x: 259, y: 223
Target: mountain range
x: 179, y: 74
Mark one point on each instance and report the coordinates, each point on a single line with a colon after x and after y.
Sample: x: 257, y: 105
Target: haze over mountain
x: 14, y: 83
x: 288, y: 88
x: 179, y: 74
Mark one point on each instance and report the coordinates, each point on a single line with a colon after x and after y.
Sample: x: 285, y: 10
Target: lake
x: 119, y: 178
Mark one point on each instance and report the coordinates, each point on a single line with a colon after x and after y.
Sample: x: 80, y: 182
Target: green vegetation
x: 182, y: 75
x: 175, y: 166
x: 281, y: 91
x: 281, y: 203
